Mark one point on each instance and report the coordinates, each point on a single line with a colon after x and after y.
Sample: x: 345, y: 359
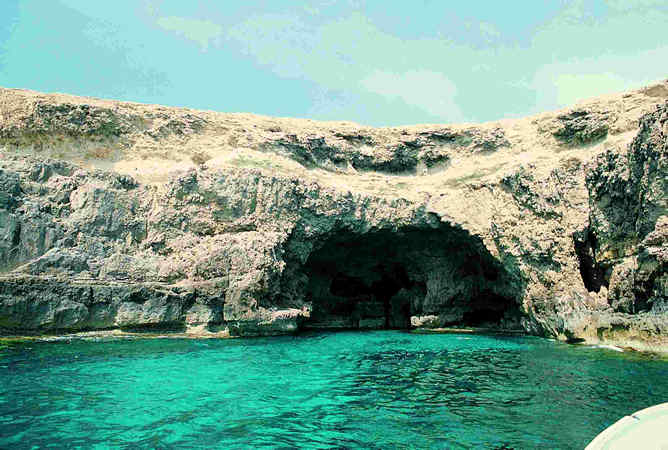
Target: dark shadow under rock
x: 593, y: 275
x: 396, y: 278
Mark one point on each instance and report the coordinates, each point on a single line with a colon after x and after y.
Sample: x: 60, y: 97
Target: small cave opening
x: 389, y: 279
x: 593, y: 274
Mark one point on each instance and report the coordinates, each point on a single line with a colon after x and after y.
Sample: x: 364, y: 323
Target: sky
x: 381, y: 63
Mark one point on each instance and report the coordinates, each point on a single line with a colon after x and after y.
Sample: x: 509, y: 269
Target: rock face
x: 120, y: 215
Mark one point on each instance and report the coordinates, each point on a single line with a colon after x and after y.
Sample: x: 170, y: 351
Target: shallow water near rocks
x: 384, y: 389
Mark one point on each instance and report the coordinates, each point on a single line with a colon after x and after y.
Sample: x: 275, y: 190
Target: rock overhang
x: 228, y: 230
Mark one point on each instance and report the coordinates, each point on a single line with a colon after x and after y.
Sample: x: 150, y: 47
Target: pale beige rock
x: 121, y: 214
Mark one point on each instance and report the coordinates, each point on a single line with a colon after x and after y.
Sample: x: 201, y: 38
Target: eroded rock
x: 574, y: 249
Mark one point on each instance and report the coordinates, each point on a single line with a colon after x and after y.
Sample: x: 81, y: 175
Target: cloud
x: 200, y: 31
x: 562, y: 84
x: 347, y: 54
x: 430, y: 91
x: 282, y: 42
x: 489, y: 31
x: 626, y: 5
x: 442, y: 75
x: 573, y: 87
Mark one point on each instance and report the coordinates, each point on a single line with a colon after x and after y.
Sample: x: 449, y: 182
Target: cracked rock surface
x: 121, y: 215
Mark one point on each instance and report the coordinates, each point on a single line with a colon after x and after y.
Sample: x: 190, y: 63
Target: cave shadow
x: 406, y: 278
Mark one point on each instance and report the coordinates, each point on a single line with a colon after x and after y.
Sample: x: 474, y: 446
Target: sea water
x: 383, y: 389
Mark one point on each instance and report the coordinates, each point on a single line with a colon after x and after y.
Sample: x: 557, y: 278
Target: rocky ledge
x: 137, y: 217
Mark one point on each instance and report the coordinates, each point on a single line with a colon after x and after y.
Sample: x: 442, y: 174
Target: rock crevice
x: 438, y: 276
x: 120, y: 215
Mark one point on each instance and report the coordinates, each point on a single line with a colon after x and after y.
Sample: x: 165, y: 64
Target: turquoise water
x: 385, y: 389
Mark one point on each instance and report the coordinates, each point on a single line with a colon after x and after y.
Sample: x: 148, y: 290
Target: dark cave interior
x: 593, y: 275
x: 380, y: 279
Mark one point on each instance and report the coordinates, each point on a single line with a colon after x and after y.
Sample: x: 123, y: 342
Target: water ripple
x: 319, y: 390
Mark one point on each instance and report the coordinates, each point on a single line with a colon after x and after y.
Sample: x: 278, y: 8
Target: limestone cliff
x: 122, y: 215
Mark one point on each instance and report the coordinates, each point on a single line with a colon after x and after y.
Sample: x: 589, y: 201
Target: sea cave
x: 406, y: 278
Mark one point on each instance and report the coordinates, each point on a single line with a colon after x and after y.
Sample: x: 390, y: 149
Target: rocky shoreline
x: 126, y: 216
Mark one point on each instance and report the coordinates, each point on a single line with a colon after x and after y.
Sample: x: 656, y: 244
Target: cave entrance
x: 368, y: 296
x: 388, y: 279
x: 593, y: 275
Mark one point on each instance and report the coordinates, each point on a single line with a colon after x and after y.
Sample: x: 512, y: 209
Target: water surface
x: 385, y: 389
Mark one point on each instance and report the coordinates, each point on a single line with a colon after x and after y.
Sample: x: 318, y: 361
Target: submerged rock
x: 120, y: 215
